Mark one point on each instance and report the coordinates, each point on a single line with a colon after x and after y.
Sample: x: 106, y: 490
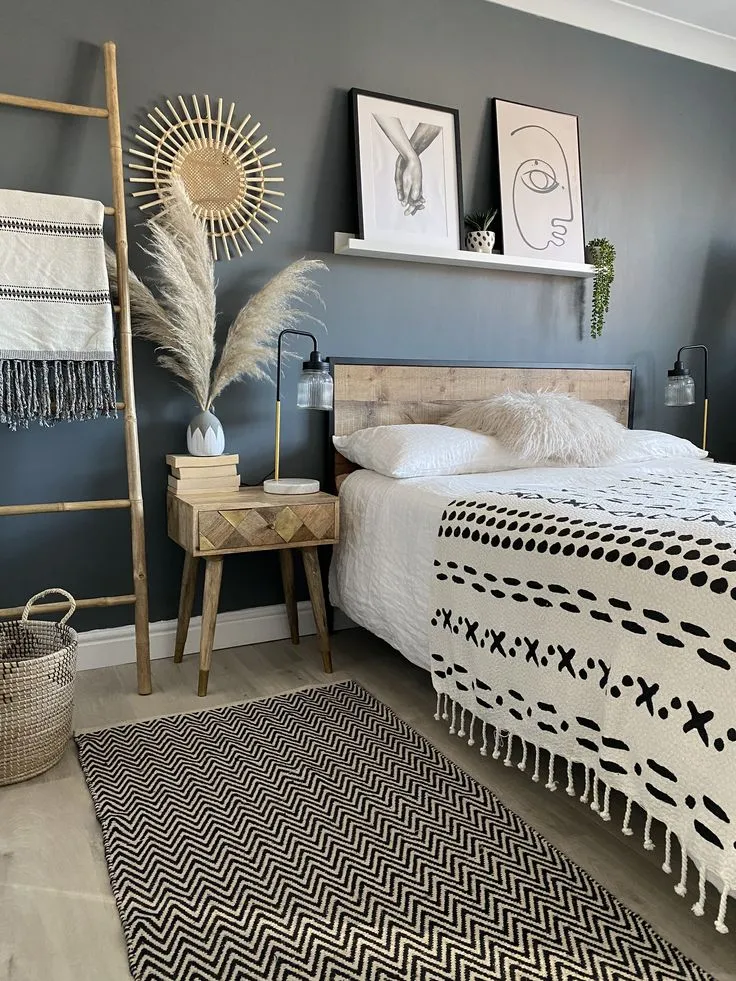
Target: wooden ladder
x: 134, y: 501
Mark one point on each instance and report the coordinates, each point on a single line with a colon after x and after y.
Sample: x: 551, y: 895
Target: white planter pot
x: 205, y: 435
x: 480, y: 241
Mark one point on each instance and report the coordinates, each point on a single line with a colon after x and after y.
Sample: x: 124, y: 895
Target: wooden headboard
x: 382, y: 393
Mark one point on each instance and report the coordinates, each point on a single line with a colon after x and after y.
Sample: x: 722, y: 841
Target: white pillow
x: 420, y: 450
x: 640, y: 445
x: 545, y: 427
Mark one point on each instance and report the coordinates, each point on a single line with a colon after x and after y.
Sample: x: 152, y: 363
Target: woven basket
x: 38, y: 663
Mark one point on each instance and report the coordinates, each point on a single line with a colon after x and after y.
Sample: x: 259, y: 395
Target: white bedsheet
x: 380, y: 574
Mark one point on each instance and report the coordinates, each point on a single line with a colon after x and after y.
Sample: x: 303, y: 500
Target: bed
x: 566, y: 615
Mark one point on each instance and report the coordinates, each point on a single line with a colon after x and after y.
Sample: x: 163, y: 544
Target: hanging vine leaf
x: 602, y: 254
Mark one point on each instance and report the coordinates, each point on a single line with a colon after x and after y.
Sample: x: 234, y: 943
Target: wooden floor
x: 58, y: 920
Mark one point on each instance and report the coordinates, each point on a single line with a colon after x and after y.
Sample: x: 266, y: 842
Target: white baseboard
x: 116, y: 645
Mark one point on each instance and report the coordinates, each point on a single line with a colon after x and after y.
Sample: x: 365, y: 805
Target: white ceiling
x: 702, y: 30
x: 713, y: 15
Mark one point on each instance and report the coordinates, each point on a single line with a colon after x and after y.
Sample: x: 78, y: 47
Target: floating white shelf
x: 345, y: 244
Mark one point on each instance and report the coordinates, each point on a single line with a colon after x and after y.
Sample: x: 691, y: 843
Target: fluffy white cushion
x: 424, y: 451
x: 640, y: 445
x: 545, y: 427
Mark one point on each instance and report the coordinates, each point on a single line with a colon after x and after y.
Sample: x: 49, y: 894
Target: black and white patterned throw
x: 315, y: 835
x: 56, y: 326
x: 598, y: 625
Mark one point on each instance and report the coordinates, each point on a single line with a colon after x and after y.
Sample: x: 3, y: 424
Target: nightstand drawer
x: 267, y: 527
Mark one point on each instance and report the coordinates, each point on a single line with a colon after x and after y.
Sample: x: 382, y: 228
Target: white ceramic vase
x: 205, y: 435
x: 480, y: 241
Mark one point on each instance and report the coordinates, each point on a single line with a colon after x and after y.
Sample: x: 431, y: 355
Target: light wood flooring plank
x: 49, y: 935
x: 57, y: 915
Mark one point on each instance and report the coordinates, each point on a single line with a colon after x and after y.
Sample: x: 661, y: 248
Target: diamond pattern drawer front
x: 267, y: 526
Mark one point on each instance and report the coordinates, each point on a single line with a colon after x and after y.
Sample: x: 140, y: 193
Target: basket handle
x: 47, y: 592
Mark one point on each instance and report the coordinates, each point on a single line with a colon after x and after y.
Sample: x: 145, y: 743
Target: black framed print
x: 539, y: 179
x: 408, y: 169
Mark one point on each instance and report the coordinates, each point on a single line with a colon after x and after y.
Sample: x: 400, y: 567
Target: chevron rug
x: 316, y: 836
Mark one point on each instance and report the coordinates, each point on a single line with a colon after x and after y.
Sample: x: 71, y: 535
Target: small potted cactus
x: 479, y: 237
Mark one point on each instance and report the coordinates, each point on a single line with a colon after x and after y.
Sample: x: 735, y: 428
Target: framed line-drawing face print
x: 539, y: 182
x: 408, y: 168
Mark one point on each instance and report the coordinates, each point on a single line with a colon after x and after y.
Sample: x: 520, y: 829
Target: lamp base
x: 291, y: 485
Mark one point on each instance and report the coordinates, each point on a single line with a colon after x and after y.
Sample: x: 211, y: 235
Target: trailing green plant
x: 480, y: 221
x: 602, y: 254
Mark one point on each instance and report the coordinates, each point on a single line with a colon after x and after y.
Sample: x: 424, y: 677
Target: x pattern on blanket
x: 649, y: 495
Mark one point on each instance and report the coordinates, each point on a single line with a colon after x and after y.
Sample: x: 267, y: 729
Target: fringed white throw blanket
x: 599, y: 627
x: 56, y: 330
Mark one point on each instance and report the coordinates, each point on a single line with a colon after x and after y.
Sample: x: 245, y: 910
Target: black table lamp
x: 313, y: 392
x: 680, y: 387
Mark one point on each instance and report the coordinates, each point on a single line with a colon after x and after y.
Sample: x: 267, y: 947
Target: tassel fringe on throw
x: 447, y: 708
x: 50, y: 391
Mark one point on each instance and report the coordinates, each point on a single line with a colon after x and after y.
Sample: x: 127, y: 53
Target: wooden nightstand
x: 209, y: 527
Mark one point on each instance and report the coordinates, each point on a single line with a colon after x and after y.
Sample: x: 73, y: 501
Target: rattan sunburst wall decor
x: 221, y: 164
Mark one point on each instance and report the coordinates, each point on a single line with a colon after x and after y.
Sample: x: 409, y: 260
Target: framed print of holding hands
x: 408, y: 169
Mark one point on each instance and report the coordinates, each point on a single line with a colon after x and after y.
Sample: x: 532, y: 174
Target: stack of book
x: 203, y: 474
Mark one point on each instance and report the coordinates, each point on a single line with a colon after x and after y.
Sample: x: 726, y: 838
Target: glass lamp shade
x: 679, y: 390
x: 315, y: 387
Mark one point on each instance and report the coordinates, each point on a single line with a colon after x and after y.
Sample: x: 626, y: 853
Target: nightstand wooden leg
x: 212, y: 580
x: 287, y: 578
x: 186, y: 601
x: 317, y: 596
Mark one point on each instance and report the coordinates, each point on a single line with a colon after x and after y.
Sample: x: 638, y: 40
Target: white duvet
x: 381, y: 570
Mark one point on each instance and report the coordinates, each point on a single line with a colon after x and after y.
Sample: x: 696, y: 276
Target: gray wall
x: 658, y: 151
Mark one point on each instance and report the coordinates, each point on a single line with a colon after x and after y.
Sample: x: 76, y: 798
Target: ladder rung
x: 116, y: 307
x: 64, y: 506
x: 120, y: 406
x: 134, y: 502
x: 65, y: 107
x: 85, y: 604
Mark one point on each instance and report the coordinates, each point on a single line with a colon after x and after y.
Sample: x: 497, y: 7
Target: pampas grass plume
x: 181, y: 319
